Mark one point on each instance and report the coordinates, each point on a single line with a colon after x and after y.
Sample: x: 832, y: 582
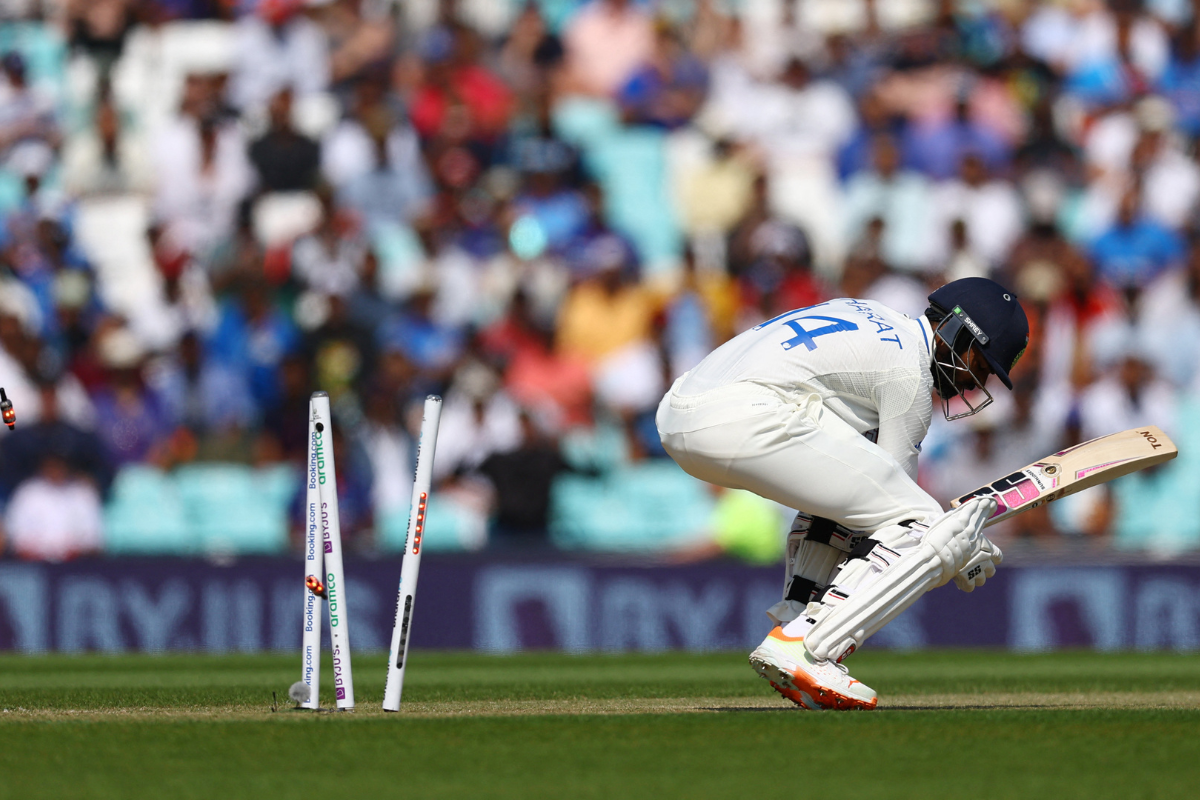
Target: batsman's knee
x: 816, y: 546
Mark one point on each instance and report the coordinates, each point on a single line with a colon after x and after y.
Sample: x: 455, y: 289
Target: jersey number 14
x: 804, y: 336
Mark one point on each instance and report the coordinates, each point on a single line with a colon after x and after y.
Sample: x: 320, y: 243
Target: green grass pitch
x: 950, y: 724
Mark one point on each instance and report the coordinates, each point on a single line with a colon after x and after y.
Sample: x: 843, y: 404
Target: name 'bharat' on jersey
x: 823, y: 409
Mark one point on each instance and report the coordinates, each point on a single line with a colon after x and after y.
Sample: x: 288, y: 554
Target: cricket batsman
x: 823, y: 409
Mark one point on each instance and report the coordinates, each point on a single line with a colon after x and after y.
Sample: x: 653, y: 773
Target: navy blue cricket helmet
x: 991, y: 315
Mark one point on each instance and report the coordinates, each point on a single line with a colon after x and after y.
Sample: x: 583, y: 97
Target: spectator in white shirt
x: 278, y: 46
x: 803, y: 117
x: 104, y: 158
x: 901, y: 198
x: 1139, y: 145
x: 1121, y: 32
x: 802, y: 124
x: 27, y: 116
x: 396, y: 188
x: 962, y: 260
x: 990, y: 208
x: 55, y: 515
x: 1130, y: 394
x: 350, y: 151
x: 203, y: 175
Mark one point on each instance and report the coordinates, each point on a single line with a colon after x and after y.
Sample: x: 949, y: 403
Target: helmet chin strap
x: 948, y: 331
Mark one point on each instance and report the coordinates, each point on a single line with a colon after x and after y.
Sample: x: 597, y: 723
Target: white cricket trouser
x: 799, y: 454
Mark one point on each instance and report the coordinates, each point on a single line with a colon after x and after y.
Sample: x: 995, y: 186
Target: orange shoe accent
x: 800, y: 689
x: 826, y: 697
x: 777, y: 633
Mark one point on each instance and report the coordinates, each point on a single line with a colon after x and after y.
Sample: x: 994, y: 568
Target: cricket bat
x: 1075, y: 469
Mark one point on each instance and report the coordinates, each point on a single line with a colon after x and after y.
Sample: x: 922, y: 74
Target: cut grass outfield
x: 540, y: 725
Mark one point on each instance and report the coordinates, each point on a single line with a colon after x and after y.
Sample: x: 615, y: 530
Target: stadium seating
x: 146, y: 515
x: 227, y: 509
x: 453, y: 527
x: 1173, y: 493
x: 630, y: 164
x: 623, y: 511
x: 232, y: 508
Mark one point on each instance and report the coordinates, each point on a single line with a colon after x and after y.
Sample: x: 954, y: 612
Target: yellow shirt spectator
x: 605, y: 314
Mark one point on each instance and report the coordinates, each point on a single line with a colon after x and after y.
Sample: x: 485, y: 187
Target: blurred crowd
x: 547, y: 210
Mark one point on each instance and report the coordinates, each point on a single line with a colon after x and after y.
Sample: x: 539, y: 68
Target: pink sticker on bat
x: 1020, y: 494
x: 1080, y: 473
x: 1012, y: 497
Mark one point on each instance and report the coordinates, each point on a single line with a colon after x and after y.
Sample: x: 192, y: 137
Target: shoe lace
x: 840, y: 667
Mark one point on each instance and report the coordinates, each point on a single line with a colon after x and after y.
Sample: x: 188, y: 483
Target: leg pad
x: 878, y: 597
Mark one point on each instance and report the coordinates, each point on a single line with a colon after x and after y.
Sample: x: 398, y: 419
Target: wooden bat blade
x: 1075, y: 469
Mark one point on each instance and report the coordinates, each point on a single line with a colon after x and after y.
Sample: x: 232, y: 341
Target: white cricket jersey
x: 870, y: 365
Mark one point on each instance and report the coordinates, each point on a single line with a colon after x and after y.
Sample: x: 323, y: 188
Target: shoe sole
x: 800, y: 689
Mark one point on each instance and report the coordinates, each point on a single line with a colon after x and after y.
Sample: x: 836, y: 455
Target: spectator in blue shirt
x: 1107, y: 82
x: 938, y: 150
x: 253, y: 337
x: 1136, y: 249
x: 857, y: 154
x: 427, y: 343
x: 200, y: 394
x: 549, y: 199
x: 131, y: 420
x: 1180, y: 81
x: 668, y: 89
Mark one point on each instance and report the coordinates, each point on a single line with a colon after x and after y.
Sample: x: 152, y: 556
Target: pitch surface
x: 949, y: 723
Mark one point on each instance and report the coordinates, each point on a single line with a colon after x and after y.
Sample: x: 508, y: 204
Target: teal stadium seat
x: 45, y: 55
x: 44, y: 51
x: 644, y: 507
x: 401, y: 259
x: 557, y: 13
x: 232, y: 508
x: 145, y: 515
x: 585, y: 122
x: 451, y: 528
x: 1159, y: 510
x: 278, y: 484
x: 601, y: 448
x: 632, y: 168
x: 631, y: 165
x: 12, y: 192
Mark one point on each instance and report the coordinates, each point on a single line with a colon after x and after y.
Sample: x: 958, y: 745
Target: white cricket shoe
x: 809, y: 683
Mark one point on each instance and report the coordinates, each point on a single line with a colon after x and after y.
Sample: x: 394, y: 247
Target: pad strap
x: 801, y: 590
x: 864, y: 548
x: 820, y: 530
x: 874, y: 551
x: 815, y: 548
